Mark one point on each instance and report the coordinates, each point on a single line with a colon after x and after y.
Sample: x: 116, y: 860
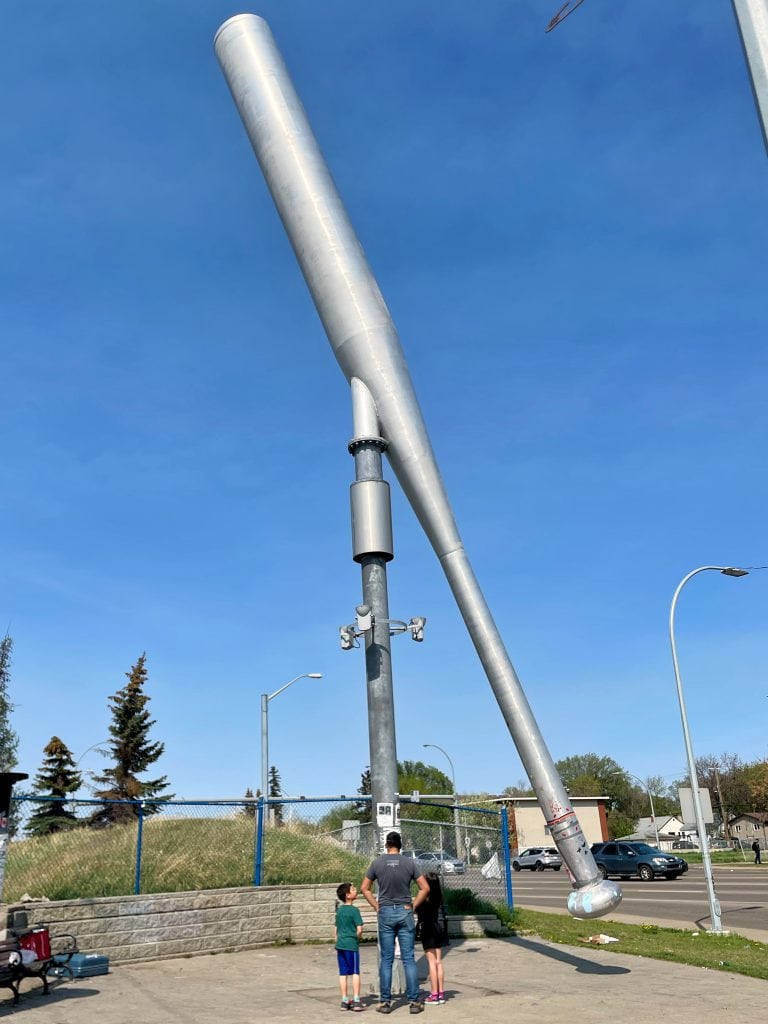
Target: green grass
x: 718, y: 953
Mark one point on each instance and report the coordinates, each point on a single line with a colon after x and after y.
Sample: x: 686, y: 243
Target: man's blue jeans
x: 397, y: 922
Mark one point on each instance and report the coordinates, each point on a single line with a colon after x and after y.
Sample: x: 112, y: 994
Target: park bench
x: 50, y: 958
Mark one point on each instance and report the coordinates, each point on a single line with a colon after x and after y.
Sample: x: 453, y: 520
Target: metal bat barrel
x: 366, y: 345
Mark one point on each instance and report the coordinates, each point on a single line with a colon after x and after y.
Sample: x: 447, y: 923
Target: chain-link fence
x: 90, y: 848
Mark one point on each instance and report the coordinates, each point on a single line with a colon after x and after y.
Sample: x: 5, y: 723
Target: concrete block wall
x: 165, y: 925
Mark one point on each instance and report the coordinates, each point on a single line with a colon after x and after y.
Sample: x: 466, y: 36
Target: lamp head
x: 314, y: 675
x: 732, y: 571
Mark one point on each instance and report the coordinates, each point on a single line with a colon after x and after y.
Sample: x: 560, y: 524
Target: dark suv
x: 627, y: 859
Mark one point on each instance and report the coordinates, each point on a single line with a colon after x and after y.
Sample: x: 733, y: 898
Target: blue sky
x: 570, y: 232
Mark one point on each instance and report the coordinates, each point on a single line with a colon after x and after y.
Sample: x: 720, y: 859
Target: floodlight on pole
x: 714, y: 904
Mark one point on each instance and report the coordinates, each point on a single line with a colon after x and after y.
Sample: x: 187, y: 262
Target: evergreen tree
x: 131, y: 751
x: 249, y: 810
x: 57, y: 778
x: 362, y: 809
x: 9, y: 741
x: 275, y: 791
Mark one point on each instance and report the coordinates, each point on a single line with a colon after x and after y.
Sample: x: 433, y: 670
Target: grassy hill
x: 177, y: 855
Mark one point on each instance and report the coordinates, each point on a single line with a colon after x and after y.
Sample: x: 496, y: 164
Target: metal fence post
x: 139, y: 836
x: 505, y: 851
x: 258, y: 855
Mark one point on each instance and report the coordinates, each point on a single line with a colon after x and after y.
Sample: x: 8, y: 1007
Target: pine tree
x: 57, y: 777
x: 275, y: 791
x: 362, y: 809
x: 9, y: 741
x: 131, y: 752
x: 249, y: 810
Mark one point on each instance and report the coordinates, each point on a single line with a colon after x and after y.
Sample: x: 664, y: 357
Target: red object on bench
x: 39, y: 941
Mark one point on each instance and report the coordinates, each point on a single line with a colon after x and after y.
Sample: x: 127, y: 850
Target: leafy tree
x: 9, y: 740
x: 57, y: 778
x: 275, y: 792
x: 131, y: 751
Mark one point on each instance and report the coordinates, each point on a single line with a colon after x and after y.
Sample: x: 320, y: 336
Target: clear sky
x: 570, y: 231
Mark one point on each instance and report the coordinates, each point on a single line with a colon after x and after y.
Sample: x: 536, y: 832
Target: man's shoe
x: 384, y: 1008
x: 417, y: 1007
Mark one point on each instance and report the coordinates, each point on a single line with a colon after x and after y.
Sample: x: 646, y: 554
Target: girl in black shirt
x: 434, y: 936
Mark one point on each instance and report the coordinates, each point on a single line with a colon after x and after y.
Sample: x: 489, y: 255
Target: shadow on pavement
x: 582, y: 965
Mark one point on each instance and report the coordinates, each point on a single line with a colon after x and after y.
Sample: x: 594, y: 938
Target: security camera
x: 364, y: 618
x: 416, y: 626
x: 347, y: 637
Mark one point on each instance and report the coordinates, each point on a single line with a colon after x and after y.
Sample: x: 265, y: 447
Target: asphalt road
x: 683, y: 903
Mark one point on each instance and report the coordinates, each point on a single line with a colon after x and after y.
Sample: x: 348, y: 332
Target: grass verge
x: 732, y: 953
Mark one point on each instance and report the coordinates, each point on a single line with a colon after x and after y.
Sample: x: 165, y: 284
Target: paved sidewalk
x: 488, y: 981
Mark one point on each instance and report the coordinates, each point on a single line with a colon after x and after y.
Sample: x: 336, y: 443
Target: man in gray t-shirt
x: 394, y: 905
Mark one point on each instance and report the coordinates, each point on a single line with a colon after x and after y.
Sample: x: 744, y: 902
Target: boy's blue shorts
x: 349, y: 962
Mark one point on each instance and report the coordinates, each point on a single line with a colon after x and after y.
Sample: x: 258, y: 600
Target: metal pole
x: 258, y: 866
x: 366, y: 345
x: 264, y: 746
x: 752, y: 19
x: 382, y: 742
x: 505, y: 851
x: 714, y: 904
x: 139, y: 838
x: 457, y: 830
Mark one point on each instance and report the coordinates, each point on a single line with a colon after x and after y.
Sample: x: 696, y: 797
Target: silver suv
x: 537, y: 858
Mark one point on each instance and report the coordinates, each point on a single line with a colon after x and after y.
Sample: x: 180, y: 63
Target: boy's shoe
x: 345, y: 1004
x: 441, y: 997
x: 417, y: 1007
x: 357, y: 1006
x: 384, y: 1008
x: 433, y: 997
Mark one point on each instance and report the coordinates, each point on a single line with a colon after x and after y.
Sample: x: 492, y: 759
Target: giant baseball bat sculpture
x: 368, y: 350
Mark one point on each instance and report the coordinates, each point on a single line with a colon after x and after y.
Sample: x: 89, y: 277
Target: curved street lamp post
x: 265, y: 699
x: 457, y: 830
x: 714, y: 904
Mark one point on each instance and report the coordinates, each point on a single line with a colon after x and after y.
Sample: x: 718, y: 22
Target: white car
x: 537, y: 858
x: 441, y: 863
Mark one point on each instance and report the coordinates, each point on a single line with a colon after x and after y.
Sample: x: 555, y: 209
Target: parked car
x: 537, y: 858
x: 440, y: 863
x: 627, y: 859
x: 684, y: 844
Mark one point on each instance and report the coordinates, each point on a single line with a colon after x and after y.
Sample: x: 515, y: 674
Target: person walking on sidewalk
x: 394, y: 906
x: 756, y: 851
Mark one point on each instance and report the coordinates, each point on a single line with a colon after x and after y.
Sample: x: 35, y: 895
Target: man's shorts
x: 349, y: 962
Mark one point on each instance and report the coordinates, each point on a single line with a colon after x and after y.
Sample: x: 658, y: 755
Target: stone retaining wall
x: 164, y: 925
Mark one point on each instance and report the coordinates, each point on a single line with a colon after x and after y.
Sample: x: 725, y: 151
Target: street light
x: 714, y: 905
x: 646, y: 788
x: 265, y: 699
x: 457, y: 831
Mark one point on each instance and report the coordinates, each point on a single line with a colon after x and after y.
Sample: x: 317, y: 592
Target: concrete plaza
x: 525, y: 980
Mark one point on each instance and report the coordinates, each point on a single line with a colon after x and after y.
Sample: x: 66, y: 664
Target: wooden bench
x: 14, y: 968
